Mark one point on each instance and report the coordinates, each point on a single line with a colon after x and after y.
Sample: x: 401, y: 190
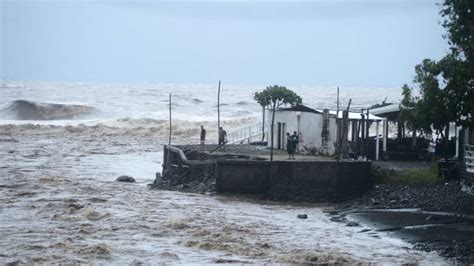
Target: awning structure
x: 390, y: 112
x: 356, y: 116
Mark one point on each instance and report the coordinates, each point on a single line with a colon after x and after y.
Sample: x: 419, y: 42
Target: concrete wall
x: 301, y: 181
x: 310, y: 127
x: 242, y: 176
x: 312, y: 181
x: 319, y: 180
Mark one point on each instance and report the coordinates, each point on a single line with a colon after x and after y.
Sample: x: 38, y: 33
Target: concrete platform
x: 245, y: 169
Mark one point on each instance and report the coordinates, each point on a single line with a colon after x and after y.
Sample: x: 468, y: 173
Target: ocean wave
x: 29, y: 110
x: 131, y: 126
x: 241, y: 103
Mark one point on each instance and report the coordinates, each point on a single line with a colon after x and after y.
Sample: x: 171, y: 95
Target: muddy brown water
x: 60, y: 204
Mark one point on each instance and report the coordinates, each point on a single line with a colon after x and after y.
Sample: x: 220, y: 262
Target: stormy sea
x: 62, y: 145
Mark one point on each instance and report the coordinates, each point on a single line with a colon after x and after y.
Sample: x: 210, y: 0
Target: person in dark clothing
x: 222, y: 136
x: 296, y: 140
x: 203, y: 135
x: 290, y: 147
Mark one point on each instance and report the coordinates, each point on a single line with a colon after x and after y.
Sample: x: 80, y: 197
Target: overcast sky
x: 321, y: 42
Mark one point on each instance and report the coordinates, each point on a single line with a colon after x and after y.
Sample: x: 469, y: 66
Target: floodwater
x: 59, y: 202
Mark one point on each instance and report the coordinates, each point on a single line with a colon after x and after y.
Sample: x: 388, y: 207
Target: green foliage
x: 413, y: 176
x: 459, y: 22
x: 409, y: 176
x: 409, y: 112
x: 447, y: 85
x: 435, y: 107
x: 458, y: 67
x: 275, y: 96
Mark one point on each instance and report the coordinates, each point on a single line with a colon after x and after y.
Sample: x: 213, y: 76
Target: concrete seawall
x: 293, y: 180
x: 313, y: 181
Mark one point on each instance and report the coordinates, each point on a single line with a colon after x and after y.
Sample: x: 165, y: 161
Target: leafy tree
x: 435, y: 109
x: 408, y: 112
x: 447, y: 85
x: 459, y: 65
x: 273, y: 97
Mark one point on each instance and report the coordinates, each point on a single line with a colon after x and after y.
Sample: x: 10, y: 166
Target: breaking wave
x: 130, y: 126
x: 28, y: 110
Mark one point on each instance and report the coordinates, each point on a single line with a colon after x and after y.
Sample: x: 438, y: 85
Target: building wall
x: 310, y: 127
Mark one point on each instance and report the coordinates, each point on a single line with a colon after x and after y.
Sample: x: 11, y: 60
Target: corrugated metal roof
x: 300, y: 108
x: 393, y: 108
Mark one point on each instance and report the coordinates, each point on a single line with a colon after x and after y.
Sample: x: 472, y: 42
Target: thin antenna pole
x: 218, y: 109
x: 337, y: 100
x: 169, y: 139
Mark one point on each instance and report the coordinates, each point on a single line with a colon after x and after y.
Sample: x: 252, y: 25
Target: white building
x: 317, y: 129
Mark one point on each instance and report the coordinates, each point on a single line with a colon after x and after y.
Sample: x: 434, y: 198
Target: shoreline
x: 432, y: 217
x: 429, y: 213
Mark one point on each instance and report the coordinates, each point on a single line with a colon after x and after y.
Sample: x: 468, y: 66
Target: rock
x: 352, y: 224
x: 158, y: 176
x: 338, y: 219
x: 302, y: 216
x: 393, y: 202
x: 125, y: 178
x: 75, y: 206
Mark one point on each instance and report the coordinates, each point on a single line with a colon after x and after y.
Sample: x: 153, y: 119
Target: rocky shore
x: 433, y: 217
x: 438, y: 197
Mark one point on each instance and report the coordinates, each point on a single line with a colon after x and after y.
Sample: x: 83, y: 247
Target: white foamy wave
x: 29, y: 110
x: 130, y: 126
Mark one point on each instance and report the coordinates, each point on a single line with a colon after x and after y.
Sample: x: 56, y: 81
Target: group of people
x: 292, y: 144
x: 222, y: 136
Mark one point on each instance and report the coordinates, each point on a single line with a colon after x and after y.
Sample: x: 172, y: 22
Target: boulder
x: 352, y: 224
x: 302, y: 216
x: 125, y: 178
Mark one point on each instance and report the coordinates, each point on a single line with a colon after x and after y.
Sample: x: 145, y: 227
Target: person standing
x: 290, y: 146
x: 222, y: 136
x: 296, y: 141
x: 203, y: 135
x: 431, y: 150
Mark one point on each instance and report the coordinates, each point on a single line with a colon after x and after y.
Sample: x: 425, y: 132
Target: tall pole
x: 169, y: 139
x: 218, y: 109
x: 367, y: 136
x: 337, y: 102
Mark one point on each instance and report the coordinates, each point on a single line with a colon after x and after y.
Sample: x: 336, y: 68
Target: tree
x: 435, y: 108
x: 459, y: 65
x: 408, y: 113
x: 274, y: 97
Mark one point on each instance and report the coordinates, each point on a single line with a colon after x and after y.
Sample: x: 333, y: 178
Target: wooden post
x: 456, y: 131
x: 385, y: 133
x: 169, y: 139
x: 218, y: 109
x: 343, y: 142
x: 377, y: 124
x: 367, y: 136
